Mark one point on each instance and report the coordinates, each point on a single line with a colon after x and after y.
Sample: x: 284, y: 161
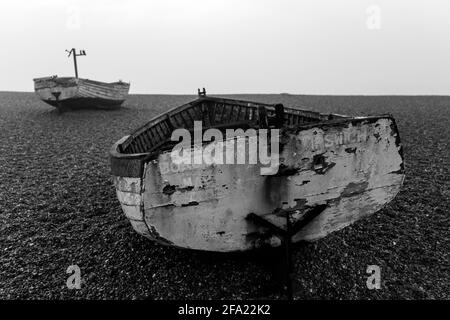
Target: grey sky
x: 232, y: 46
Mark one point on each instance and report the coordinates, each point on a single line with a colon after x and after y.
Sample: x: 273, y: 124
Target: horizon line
x: 273, y: 93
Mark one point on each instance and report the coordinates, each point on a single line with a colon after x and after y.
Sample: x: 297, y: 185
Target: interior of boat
x: 219, y: 113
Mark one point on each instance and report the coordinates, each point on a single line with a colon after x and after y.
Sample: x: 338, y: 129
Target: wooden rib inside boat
x: 333, y: 170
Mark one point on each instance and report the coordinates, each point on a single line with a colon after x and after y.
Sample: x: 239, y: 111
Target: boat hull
x: 76, y: 93
x: 349, y: 168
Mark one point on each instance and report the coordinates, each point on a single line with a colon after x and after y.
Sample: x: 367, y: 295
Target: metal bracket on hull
x: 286, y: 235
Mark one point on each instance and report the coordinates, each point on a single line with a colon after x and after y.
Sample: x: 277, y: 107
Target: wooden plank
x: 126, y: 184
x: 156, y: 134
x: 218, y: 112
x: 212, y: 113
x: 194, y: 116
x: 152, y: 138
x: 129, y: 198
x: 185, y: 120
x: 147, y: 140
x: 189, y: 119
x: 239, y: 114
x: 206, y: 116
x: 140, y: 144
x: 179, y: 120
x: 160, y: 132
x: 126, y: 167
x: 133, y: 212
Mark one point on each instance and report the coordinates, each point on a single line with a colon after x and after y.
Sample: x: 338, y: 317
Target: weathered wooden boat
x: 332, y: 171
x: 76, y: 93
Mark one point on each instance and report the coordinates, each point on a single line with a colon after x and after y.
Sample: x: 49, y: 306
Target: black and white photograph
x: 243, y: 151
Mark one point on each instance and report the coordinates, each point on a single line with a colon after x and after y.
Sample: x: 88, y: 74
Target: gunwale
x: 170, y: 115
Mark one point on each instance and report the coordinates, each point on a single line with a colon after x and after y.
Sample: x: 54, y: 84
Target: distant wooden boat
x: 333, y: 171
x: 76, y: 93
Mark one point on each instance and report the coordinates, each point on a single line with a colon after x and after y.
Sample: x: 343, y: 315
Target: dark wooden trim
x: 126, y: 165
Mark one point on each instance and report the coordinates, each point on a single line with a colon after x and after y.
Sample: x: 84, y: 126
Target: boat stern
x: 54, y: 89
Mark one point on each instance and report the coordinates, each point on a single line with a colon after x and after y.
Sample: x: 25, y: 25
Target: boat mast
x: 75, y: 55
